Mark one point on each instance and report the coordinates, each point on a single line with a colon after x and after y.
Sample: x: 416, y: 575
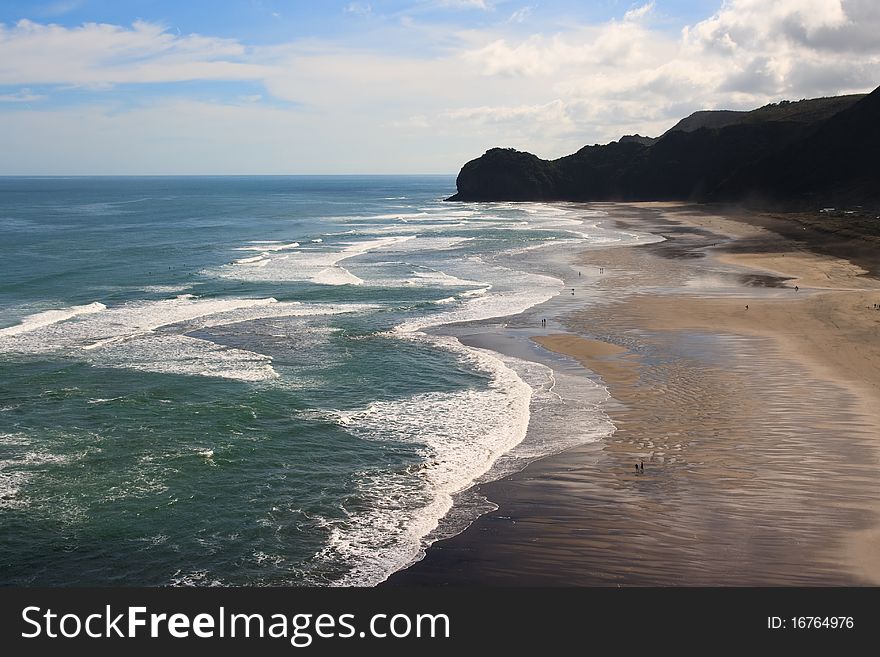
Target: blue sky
x: 277, y: 21
x: 283, y: 86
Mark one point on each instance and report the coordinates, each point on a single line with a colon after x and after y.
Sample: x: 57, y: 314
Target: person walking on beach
x: 642, y: 466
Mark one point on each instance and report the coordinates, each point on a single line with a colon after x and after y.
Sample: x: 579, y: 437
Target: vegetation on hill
x: 809, y: 152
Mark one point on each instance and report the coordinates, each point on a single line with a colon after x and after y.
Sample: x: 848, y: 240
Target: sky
x: 163, y: 87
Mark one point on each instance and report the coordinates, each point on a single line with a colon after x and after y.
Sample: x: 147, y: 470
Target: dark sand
x: 757, y: 428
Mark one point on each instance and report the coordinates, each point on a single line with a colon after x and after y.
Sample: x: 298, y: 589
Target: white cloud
x: 532, y: 57
x: 554, y: 111
x: 467, y: 4
x: 537, y: 124
x: 520, y: 15
x: 60, y: 7
x: 359, y: 8
x: 22, y: 96
x: 100, y: 54
x: 638, y: 13
x: 783, y: 47
x: 418, y: 96
x: 182, y: 136
x: 419, y: 121
x: 748, y: 53
x: 619, y: 44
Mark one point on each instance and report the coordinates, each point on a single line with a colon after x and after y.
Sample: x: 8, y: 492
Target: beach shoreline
x: 749, y: 401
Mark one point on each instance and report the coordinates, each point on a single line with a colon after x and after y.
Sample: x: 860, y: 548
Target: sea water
x: 246, y: 381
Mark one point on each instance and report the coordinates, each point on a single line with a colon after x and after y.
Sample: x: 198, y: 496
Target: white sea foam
x: 357, y: 248
x: 422, y: 228
x: 446, y: 211
x: 151, y: 336
x: 164, y: 289
x: 253, y: 259
x: 460, y: 435
x: 403, y: 216
x: 22, y: 461
x: 181, y: 354
x: 438, y: 279
x: 11, y: 482
x: 49, y: 317
x: 140, y: 318
x: 476, y: 293
x: 197, y: 578
x: 336, y: 275
x: 463, y: 438
x: 318, y: 265
x: 521, y: 291
x: 268, y: 246
x: 427, y: 243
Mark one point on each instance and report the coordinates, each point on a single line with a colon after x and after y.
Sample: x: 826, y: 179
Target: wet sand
x: 758, y: 427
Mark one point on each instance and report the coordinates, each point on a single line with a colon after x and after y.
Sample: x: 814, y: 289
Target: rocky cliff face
x: 787, y: 153
x: 505, y: 174
x: 837, y: 161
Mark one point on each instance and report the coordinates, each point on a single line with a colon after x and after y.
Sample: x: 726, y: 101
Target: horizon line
x: 215, y: 175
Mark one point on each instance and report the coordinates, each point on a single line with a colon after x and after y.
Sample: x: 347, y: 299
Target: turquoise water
x: 238, y: 380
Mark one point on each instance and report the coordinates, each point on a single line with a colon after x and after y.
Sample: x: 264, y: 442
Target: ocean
x: 263, y: 380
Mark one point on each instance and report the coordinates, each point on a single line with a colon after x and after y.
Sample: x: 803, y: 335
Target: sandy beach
x: 743, y: 363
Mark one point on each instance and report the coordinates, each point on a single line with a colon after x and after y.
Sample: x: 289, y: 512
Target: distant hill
x: 810, y: 152
x: 835, y: 163
x: 711, y: 119
x: 801, y: 111
x: 644, y: 141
